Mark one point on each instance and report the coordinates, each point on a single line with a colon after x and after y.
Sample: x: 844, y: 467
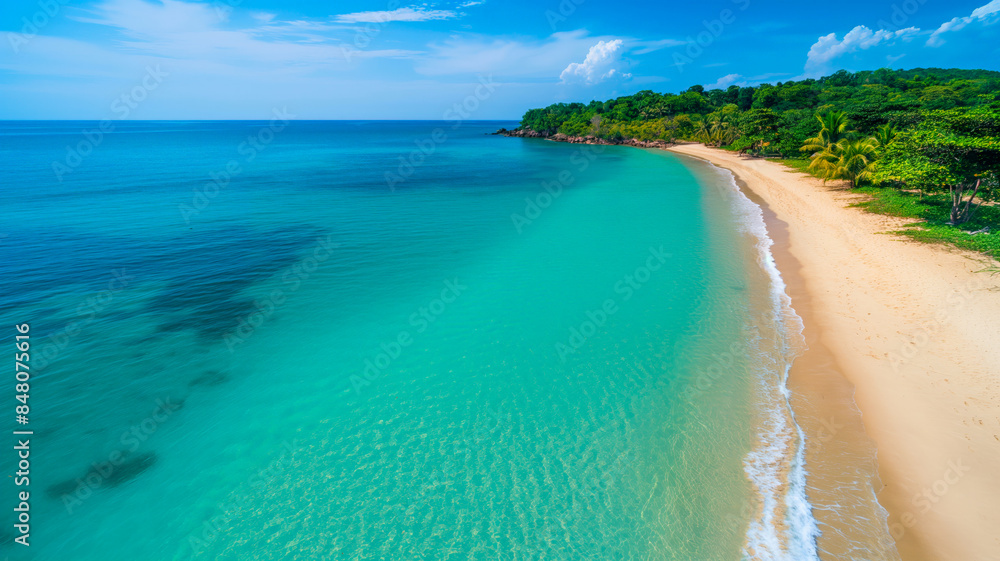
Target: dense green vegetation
x: 924, y: 143
x: 772, y: 119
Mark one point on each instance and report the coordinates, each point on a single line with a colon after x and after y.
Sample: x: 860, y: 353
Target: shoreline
x: 866, y: 299
x: 839, y: 456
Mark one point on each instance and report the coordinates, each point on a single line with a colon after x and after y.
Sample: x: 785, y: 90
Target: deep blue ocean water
x: 392, y: 340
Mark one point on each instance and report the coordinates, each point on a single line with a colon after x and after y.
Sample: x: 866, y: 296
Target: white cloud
x: 177, y: 30
x: 828, y: 47
x: 645, y: 47
x: 987, y: 10
x: 603, y: 62
x: 743, y: 81
x: 400, y: 14
x: 956, y: 24
x: 537, y: 60
x: 506, y: 58
x: 167, y: 16
x: 726, y: 81
x: 230, y: 64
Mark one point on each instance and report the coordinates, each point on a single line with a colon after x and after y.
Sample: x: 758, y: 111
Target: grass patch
x: 797, y: 164
x: 933, y: 213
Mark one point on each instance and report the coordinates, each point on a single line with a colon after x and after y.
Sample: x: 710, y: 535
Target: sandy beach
x: 904, y: 361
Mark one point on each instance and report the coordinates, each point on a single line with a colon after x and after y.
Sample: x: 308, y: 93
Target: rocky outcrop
x: 589, y: 139
x: 526, y: 133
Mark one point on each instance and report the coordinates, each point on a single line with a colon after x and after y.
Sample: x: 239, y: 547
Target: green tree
x: 940, y: 97
x: 765, y: 97
x: 758, y: 131
x: 684, y: 126
x: 853, y: 160
x: 954, y: 151
x: 869, y: 100
x: 717, y: 129
x: 744, y: 98
x: 885, y: 135
x: 833, y: 129
x: 796, y: 126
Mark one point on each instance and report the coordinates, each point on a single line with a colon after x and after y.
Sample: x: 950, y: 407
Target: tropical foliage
x: 931, y: 132
x: 954, y: 151
x: 773, y: 119
x: 837, y: 153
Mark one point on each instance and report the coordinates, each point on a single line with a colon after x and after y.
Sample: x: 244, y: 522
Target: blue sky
x: 480, y: 59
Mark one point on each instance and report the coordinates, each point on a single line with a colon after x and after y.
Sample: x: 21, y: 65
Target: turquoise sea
x: 392, y: 340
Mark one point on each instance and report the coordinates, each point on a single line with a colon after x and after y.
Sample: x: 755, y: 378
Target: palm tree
x: 884, y: 135
x: 824, y: 146
x: 716, y: 130
x: 824, y: 161
x: 849, y: 159
x: 833, y: 130
x: 704, y: 133
x: 723, y: 130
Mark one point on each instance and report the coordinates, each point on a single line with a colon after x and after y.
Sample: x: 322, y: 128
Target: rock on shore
x: 589, y: 139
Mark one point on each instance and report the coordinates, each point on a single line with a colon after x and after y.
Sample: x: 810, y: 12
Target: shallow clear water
x: 373, y: 340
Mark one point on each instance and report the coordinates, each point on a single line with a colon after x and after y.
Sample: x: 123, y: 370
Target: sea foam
x: 782, y: 526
